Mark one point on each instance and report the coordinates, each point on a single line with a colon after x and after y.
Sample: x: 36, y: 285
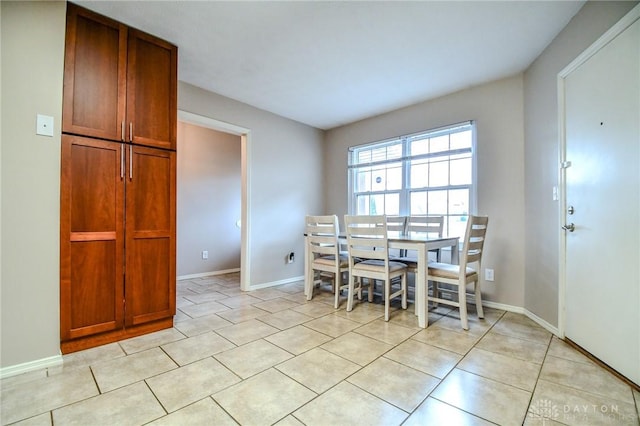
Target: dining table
x: 420, y: 243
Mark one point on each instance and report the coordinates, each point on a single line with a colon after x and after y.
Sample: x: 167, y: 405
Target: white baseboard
x: 274, y: 283
x: 208, y: 274
x: 543, y: 323
x: 252, y: 287
x: 14, y: 370
x: 519, y: 310
x: 503, y: 307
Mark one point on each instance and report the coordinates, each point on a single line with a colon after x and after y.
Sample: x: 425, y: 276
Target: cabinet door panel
x: 149, y: 280
x: 152, y: 91
x: 150, y: 235
x: 94, y: 75
x: 96, y: 302
x: 94, y: 192
x: 92, y: 237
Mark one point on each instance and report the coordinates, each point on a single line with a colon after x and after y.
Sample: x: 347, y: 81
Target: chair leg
x: 387, y: 292
x: 372, y: 286
x: 435, y: 292
x: 337, y: 279
x: 415, y: 293
x: 462, y: 301
x: 478, y: 294
x: 311, y: 280
x: 404, y: 291
x: 350, y: 293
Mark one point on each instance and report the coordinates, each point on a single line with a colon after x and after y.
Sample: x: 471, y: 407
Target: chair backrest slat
x: 430, y: 225
x: 367, y: 237
x: 396, y: 224
x: 473, y: 245
x: 322, y: 235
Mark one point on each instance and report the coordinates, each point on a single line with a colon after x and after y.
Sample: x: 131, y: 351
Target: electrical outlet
x: 488, y: 274
x: 205, y: 254
x: 290, y: 257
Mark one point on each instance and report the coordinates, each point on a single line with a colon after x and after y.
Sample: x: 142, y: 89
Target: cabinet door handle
x: 130, y: 162
x: 131, y: 131
x: 122, y: 132
x: 122, y: 149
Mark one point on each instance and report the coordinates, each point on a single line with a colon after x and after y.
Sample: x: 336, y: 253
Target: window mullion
x: 406, y: 178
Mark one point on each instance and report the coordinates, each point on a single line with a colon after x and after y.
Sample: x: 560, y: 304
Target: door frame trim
x: 245, y: 201
x: 626, y: 21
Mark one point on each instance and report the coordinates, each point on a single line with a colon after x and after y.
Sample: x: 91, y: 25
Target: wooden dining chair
x: 324, y: 255
x: 396, y: 224
x: 367, y: 240
x: 431, y: 226
x: 461, y: 275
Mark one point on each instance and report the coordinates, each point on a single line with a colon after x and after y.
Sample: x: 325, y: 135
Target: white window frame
x: 405, y: 193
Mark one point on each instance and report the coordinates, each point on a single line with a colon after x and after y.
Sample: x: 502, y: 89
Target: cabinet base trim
x: 114, y: 336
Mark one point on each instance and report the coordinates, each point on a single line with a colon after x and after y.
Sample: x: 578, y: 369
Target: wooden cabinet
x: 118, y: 249
x: 120, y: 84
x: 151, y: 91
x: 92, y: 237
x: 118, y: 183
x: 150, y: 274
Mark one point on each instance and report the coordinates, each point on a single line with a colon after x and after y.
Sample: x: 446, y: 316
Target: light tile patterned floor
x: 271, y: 357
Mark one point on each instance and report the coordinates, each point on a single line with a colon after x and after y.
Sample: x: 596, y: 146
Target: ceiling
x: 326, y: 63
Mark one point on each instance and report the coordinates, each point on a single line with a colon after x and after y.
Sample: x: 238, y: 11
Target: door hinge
x: 565, y: 164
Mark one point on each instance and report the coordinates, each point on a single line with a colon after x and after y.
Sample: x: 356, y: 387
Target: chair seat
x: 378, y: 265
x: 331, y: 261
x: 446, y: 270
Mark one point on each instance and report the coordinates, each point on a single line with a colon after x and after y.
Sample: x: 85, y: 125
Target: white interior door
x: 602, y: 269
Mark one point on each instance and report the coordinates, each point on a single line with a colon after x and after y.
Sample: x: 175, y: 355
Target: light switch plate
x: 44, y: 125
x: 488, y: 275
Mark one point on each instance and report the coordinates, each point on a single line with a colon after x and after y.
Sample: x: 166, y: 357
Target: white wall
x: 541, y: 151
x: 285, y: 168
x: 497, y: 109
x: 32, y: 67
x: 209, y: 188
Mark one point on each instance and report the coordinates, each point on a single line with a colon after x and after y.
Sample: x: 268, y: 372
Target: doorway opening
x: 217, y: 207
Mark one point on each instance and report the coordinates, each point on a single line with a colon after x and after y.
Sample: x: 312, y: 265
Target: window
x: 427, y: 173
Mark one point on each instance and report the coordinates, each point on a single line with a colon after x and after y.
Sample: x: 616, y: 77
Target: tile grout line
x: 454, y: 367
x: 345, y: 379
x: 334, y: 312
